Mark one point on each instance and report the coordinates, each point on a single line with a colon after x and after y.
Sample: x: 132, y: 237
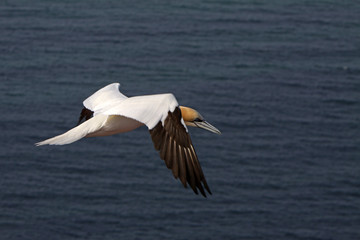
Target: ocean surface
x: 280, y: 79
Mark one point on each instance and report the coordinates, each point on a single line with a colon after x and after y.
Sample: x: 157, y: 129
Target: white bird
x: 109, y: 112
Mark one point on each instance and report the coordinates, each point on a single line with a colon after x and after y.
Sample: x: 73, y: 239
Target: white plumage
x: 148, y: 109
x: 116, y: 113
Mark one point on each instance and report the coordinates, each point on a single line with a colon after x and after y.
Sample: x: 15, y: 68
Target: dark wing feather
x: 85, y: 114
x: 177, y: 151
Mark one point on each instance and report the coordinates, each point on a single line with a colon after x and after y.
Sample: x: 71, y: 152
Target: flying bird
x: 108, y: 112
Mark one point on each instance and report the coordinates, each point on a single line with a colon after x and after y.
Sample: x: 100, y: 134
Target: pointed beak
x: 207, y: 126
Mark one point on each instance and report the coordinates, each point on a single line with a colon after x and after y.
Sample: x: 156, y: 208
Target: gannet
x: 108, y: 112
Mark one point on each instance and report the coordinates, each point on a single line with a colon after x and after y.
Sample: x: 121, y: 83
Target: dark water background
x: 280, y: 79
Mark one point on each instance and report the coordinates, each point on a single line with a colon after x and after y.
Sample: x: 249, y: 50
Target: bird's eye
x: 197, y: 120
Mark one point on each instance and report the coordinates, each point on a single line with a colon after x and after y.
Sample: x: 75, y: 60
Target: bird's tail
x: 90, y: 126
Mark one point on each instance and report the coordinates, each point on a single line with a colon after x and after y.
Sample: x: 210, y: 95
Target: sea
x: 280, y: 79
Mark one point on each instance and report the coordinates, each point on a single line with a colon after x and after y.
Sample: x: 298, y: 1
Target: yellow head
x: 194, y: 119
x: 189, y: 114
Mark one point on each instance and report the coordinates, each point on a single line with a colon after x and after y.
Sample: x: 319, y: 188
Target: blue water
x: 280, y: 79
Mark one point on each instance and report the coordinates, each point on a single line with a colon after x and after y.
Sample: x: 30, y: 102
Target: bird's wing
x: 162, y: 115
x: 104, y: 97
x: 176, y: 149
x: 78, y: 132
x: 85, y: 115
x: 148, y: 109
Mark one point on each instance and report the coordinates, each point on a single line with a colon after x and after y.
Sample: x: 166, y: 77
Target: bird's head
x: 194, y: 119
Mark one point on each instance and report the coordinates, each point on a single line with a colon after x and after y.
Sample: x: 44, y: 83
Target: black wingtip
x: 204, y: 195
x: 85, y: 114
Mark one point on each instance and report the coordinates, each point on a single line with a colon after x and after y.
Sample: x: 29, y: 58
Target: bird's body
x: 109, y: 112
x: 116, y: 124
